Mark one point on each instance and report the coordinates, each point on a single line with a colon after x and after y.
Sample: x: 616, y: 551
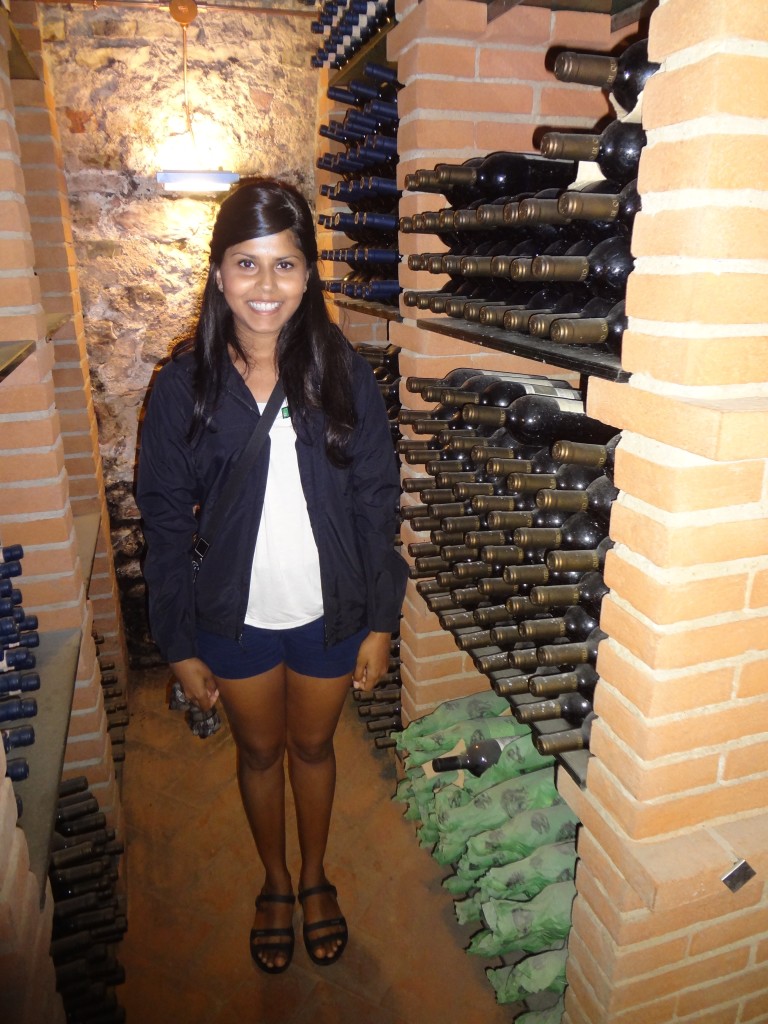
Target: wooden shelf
x: 12, y: 353
x: 87, y: 533
x: 374, y: 50
x: 582, y: 358
x: 56, y: 659
x: 371, y: 308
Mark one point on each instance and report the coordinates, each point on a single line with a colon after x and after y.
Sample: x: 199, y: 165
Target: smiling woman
x: 263, y: 281
x: 303, y: 589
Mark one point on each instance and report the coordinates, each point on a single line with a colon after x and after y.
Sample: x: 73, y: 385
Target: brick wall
x: 51, y: 485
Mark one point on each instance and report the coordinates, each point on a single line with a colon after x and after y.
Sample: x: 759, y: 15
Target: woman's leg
x: 256, y: 711
x: 314, y: 707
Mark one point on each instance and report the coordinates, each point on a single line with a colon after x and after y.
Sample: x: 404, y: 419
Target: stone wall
x: 117, y: 79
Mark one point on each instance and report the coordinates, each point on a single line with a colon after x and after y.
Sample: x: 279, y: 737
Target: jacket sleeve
x: 166, y: 495
x: 376, y: 489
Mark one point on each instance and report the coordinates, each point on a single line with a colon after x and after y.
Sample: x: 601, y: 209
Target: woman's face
x: 263, y: 281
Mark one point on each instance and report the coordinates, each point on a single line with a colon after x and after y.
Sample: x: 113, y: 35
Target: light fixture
x: 197, y: 181
x: 191, y: 179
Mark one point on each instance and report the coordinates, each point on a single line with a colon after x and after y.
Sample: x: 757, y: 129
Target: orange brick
x: 696, y: 361
x: 38, y: 465
x: 703, y: 231
x: 29, y: 433
x: 468, y: 96
x: 430, y: 134
x: 649, y: 781
x: 655, y: 693
x: 591, y: 965
x: 25, y: 327
x: 722, y: 991
x: 460, y: 19
x: 503, y: 134
x: 674, y: 26
x: 703, y: 161
x: 17, y: 253
x: 580, y: 999
x: 725, y: 430
x: 578, y: 30
x: 603, y: 861
x: 19, y: 291
x: 737, y: 928
x: 681, y: 977
x: 709, y: 87
x: 456, y: 59
x: 588, y: 106
x: 679, y: 811
x: 673, y: 650
x: 667, y: 598
x: 523, y: 26
x: 512, y: 64
x: 687, y: 543
x: 678, y: 482
x: 752, y: 678
x: 746, y: 760
x: 755, y: 1008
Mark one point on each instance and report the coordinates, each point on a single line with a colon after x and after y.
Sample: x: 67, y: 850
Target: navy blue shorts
x: 301, y: 649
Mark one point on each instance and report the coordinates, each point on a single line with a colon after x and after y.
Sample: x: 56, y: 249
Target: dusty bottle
x: 571, y: 707
x: 604, y: 271
x: 616, y: 151
x: 581, y: 679
x: 567, y: 740
x: 623, y: 76
x: 597, y: 498
x: 606, y: 331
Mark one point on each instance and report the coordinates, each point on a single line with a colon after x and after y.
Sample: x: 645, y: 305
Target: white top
x: 285, y: 575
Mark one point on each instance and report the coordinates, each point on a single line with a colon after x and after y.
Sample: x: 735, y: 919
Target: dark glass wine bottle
x: 570, y: 707
x: 606, y: 331
x: 596, y: 498
x: 617, y: 208
x: 604, y: 271
x: 569, y: 739
x: 581, y: 679
x: 624, y: 76
x: 616, y: 151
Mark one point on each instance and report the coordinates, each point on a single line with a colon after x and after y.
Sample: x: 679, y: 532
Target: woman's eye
x: 246, y: 264
x: 285, y: 265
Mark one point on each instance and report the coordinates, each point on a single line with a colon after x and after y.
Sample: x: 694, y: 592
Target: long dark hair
x: 313, y: 357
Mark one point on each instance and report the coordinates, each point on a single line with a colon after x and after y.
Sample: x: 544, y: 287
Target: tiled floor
x: 193, y: 875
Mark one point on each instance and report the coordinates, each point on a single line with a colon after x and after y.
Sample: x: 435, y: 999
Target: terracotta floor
x: 192, y: 878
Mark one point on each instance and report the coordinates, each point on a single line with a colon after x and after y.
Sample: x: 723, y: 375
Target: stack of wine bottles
x: 88, y: 915
x: 18, y: 636
x: 380, y: 708
x: 533, y: 246
x: 367, y: 186
x: 516, y: 504
x: 385, y: 364
x: 486, y: 803
x: 115, y: 705
x: 346, y: 26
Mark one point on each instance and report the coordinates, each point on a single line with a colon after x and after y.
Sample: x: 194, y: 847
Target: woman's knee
x: 310, y: 750
x: 260, y: 757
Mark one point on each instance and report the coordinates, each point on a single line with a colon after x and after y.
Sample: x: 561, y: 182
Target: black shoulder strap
x: 241, y: 469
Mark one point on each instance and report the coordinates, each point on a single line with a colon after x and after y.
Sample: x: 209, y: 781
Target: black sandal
x: 285, y: 938
x: 339, y: 923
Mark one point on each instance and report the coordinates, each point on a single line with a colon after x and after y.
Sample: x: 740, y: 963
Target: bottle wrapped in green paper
x: 531, y: 927
x: 541, y: 972
x: 471, y: 730
x: 553, y: 1015
x: 490, y: 809
x: 474, y: 705
x: 517, y: 838
x: 520, y: 880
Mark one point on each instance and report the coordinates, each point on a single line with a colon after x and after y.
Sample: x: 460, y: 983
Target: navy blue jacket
x: 353, y: 512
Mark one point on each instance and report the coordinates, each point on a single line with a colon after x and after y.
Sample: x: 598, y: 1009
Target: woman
x: 302, y: 588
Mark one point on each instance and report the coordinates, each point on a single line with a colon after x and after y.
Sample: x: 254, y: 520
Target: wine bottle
x: 616, y: 151
x: 16, y: 708
x: 579, y: 560
x: 589, y: 592
x: 576, y: 624
x: 572, y: 654
x: 606, y: 331
x: 581, y: 679
x: 477, y: 758
x: 504, y: 173
x: 569, y: 739
x: 571, y: 707
x: 530, y: 927
x: 603, y: 272
x: 624, y: 76
x: 619, y: 208
x: 597, y: 498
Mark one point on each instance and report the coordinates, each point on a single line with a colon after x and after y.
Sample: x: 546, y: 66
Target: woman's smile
x: 263, y: 281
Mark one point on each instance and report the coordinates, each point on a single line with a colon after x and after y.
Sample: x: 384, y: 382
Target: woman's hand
x: 372, y: 661
x: 197, y: 681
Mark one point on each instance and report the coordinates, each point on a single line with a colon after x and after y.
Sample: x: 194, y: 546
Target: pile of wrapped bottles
x: 486, y: 804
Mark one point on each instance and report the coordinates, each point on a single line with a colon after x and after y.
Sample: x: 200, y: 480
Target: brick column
x: 676, y: 790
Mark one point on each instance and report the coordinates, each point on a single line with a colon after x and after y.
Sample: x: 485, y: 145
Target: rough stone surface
x: 142, y: 253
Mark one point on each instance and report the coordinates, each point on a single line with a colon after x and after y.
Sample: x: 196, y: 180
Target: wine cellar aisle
x: 192, y: 878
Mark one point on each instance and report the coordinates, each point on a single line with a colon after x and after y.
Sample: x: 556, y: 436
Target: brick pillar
x: 676, y: 790
x: 470, y: 87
